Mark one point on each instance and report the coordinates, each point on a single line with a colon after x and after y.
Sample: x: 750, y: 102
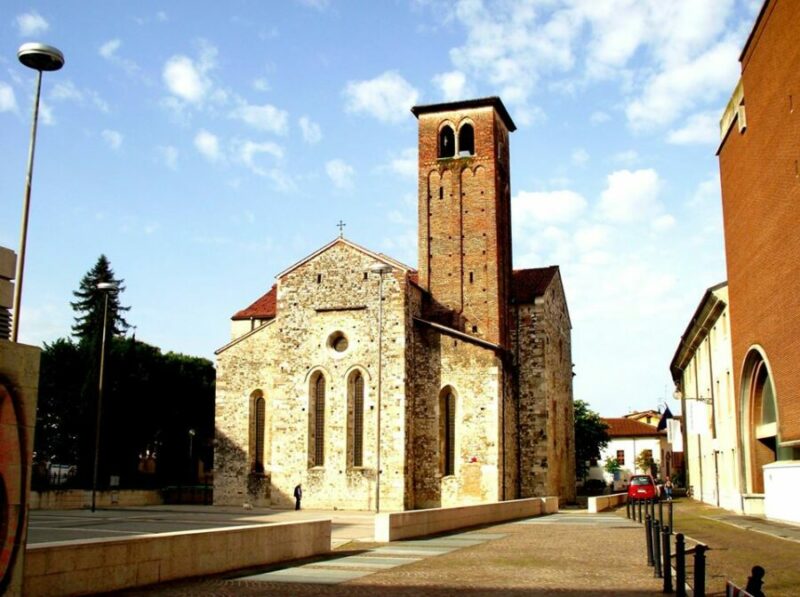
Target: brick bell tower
x: 465, y: 212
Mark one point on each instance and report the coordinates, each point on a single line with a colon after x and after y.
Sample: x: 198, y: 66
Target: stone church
x: 380, y: 387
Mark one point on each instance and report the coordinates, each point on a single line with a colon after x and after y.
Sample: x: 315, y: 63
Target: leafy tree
x: 645, y: 462
x: 590, y: 437
x: 611, y: 465
x: 90, y: 303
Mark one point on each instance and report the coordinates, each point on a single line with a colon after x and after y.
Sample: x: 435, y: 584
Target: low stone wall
x: 102, y: 565
x: 75, y: 499
x: 601, y: 503
x: 394, y: 526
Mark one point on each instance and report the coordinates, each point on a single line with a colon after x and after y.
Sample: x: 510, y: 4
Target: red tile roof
x: 263, y: 308
x: 527, y: 284
x: 622, y: 427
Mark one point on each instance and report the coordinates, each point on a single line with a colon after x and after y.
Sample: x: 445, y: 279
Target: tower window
x: 441, y: 192
x: 319, y: 278
x: 447, y: 143
x: 471, y: 277
x: 466, y: 140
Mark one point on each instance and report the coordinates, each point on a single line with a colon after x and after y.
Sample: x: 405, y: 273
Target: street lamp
x: 39, y: 57
x: 107, y: 288
x: 379, y: 268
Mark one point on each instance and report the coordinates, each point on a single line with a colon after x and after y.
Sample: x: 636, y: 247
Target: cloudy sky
x: 205, y: 146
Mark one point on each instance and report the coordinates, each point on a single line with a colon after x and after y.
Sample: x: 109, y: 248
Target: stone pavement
x: 566, y: 554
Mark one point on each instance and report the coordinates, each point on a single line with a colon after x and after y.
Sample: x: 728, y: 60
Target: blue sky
x: 206, y: 146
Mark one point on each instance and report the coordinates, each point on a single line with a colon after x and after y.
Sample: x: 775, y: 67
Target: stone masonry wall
x: 475, y: 375
x: 334, y: 292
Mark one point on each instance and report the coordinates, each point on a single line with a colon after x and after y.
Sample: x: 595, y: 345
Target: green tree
x: 645, y: 462
x: 611, y: 465
x: 90, y: 304
x: 590, y: 437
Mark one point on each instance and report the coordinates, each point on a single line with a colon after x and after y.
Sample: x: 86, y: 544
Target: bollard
x: 628, y: 507
x: 700, y: 570
x: 670, y: 515
x: 665, y: 551
x: 639, y: 504
x: 661, y: 513
x: 648, y: 529
x: 656, y: 549
x: 680, y: 565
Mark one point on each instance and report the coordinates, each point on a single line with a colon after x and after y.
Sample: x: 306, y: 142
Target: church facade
x: 381, y: 387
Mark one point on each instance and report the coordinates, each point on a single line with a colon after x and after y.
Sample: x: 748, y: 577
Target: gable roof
x: 342, y: 240
x: 622, y: 427
x: 527, y: 284
x: 263, y: 308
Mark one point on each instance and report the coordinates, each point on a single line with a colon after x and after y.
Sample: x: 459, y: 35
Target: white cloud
x: 388, y: 97
x: 599, y: 117
x: 702, y: 127
x: 663, y: 222
x: 261, y: 84
x: 547, y: 207
x: 208, y: 145
x: 592, y: 237
x: 249, y: 151
x: 66, y: 91
x: 707, y: 192
x: 627, y: 157
x: 630, y: 195
x: 31, y: 23
x: 169, y: 155
x: 185, y: 80
x: 8, y: 101
x: 109, y: 49
x: 46, y: 115
x: 113, y: 138
x: 266, y: 118
x: 340, y: 173
x: 311, y: 132
x: 317, y: 4
x: 453, y: 85
x: 406, y: 163
x: 580, y: 156
x: 679, y: 87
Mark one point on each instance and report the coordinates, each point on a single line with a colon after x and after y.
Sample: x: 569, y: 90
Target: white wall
x: 781, y: 482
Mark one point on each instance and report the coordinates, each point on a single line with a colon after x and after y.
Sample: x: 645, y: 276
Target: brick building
x: 760, y: 176
x: 380, y: 387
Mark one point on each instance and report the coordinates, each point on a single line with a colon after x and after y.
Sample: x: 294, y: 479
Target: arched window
x: 447, y: 432
x: 763, y: 430
x: 466, y: 140
x: 316, y: 421
x: 257, y: 419
x: 447, y: 142
x: 356, y: 419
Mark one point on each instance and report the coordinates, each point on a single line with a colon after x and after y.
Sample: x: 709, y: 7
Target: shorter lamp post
x: 107, y: 288
x: 381, y: 269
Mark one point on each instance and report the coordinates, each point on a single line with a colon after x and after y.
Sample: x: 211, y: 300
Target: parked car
x: 642, y: 487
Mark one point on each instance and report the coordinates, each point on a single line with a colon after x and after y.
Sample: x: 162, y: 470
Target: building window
x: 257, y: 416
x: 447, y: 432
x: 316, y: 421
x: 356, y: 435
x: 621, y: 457
x: 466, y: 140
x: 447, y: 142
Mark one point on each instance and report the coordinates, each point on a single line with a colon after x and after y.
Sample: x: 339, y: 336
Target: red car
x: 642, y: 487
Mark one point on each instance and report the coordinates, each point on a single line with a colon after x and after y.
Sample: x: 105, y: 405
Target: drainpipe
x: 713, y: 418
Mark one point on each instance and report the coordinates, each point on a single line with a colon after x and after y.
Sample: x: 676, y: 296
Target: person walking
x: 298, y: 495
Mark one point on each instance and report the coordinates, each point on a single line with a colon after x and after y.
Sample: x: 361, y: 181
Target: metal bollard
x: 700, y: 569
x: 648, y: 529
x: 680, y: 565
x: 661, y: 513
x: 639, y: 504
x: 656, y: 549
x: 667, y: 555
x: 628, y: 507
x: 670, y: 515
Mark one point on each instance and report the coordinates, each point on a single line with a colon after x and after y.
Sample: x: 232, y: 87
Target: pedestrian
x: 755, y: 582
x: 668, y: 489
x: 298, y: 495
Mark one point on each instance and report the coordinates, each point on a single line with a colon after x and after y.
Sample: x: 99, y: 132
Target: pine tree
x: 90, y: 303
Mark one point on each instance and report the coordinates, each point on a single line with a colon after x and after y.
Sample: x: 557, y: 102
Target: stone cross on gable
x: 341, y: 226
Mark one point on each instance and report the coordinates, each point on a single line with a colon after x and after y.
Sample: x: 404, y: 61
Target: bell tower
x: 465, y: 212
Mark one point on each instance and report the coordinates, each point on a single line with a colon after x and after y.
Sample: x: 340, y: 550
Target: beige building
x: 702, y: 371
x: 377, y: 386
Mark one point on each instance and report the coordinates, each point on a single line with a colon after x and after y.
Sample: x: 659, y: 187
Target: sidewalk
x: 740, y: 542
x: 569, y: 554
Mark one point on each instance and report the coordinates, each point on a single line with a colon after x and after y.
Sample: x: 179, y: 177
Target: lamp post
x: 107, y: 288
x: 39, y: 57
x: 380, y: 269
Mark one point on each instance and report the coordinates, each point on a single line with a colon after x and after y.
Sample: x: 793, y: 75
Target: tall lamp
x: 39, y: 57
x: 107, y: 288
x: 380, y: 269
